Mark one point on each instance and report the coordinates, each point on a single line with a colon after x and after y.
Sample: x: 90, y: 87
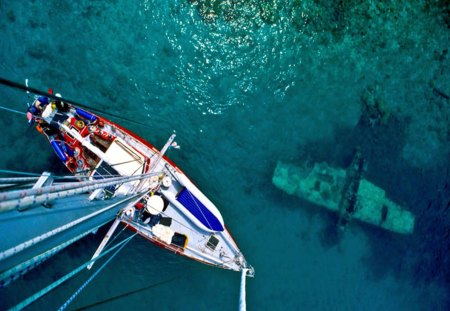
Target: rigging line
x: 6, y: 180
x: 189, y: 273
x: 117, y: 235
x: 180, y: 223
x: 198, y: 207
x: 56, y: 177
x: 68, y: 189
x: 66, y: 304
x: 72, y: 176
x: 128, y: 293
x: 13, y: 273
x: 58, y: 282
x: 173, y: 219
x: 25, y: 245
x: 52, y: 96
x: 12, y: 187
x: 93, y: 169
x: 19, y: 173
x: 13, y: 110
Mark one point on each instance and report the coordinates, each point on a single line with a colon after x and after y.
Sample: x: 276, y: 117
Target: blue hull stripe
x: 198, y: 210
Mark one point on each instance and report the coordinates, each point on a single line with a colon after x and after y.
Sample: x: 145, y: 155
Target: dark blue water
x: 244, y: 84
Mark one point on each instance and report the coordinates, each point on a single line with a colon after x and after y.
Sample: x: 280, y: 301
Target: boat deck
x: 185, y: 220
x: 182, y: 237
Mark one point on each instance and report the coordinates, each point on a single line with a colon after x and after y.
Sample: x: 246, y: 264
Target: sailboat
x: 123, y: 176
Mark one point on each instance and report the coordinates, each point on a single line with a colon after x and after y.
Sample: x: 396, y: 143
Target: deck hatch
x: 212, y: 242
x: 105, y: 170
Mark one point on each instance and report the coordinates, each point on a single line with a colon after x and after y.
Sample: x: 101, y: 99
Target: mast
x: 168, y: 144
x: 242, y: 295
x: 24, y: 198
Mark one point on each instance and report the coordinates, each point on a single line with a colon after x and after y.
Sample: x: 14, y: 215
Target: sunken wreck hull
x: 326, y: 186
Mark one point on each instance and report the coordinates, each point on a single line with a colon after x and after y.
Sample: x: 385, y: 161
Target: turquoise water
x: 245, y: 84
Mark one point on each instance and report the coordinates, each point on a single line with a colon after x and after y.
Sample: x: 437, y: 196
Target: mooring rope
x: 66, y: 304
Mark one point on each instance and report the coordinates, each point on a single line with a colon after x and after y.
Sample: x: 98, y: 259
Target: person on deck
x: 36, y: 109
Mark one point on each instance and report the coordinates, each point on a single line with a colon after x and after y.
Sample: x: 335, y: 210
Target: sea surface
x: 245, y: 84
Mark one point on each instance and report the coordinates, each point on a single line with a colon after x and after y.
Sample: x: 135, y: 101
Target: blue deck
x: 200, y: 211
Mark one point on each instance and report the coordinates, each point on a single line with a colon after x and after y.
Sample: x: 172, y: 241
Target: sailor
x: 36, y: 109
x: 39, y: 112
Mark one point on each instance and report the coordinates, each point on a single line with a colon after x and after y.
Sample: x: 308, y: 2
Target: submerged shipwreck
x: 345, y: 192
